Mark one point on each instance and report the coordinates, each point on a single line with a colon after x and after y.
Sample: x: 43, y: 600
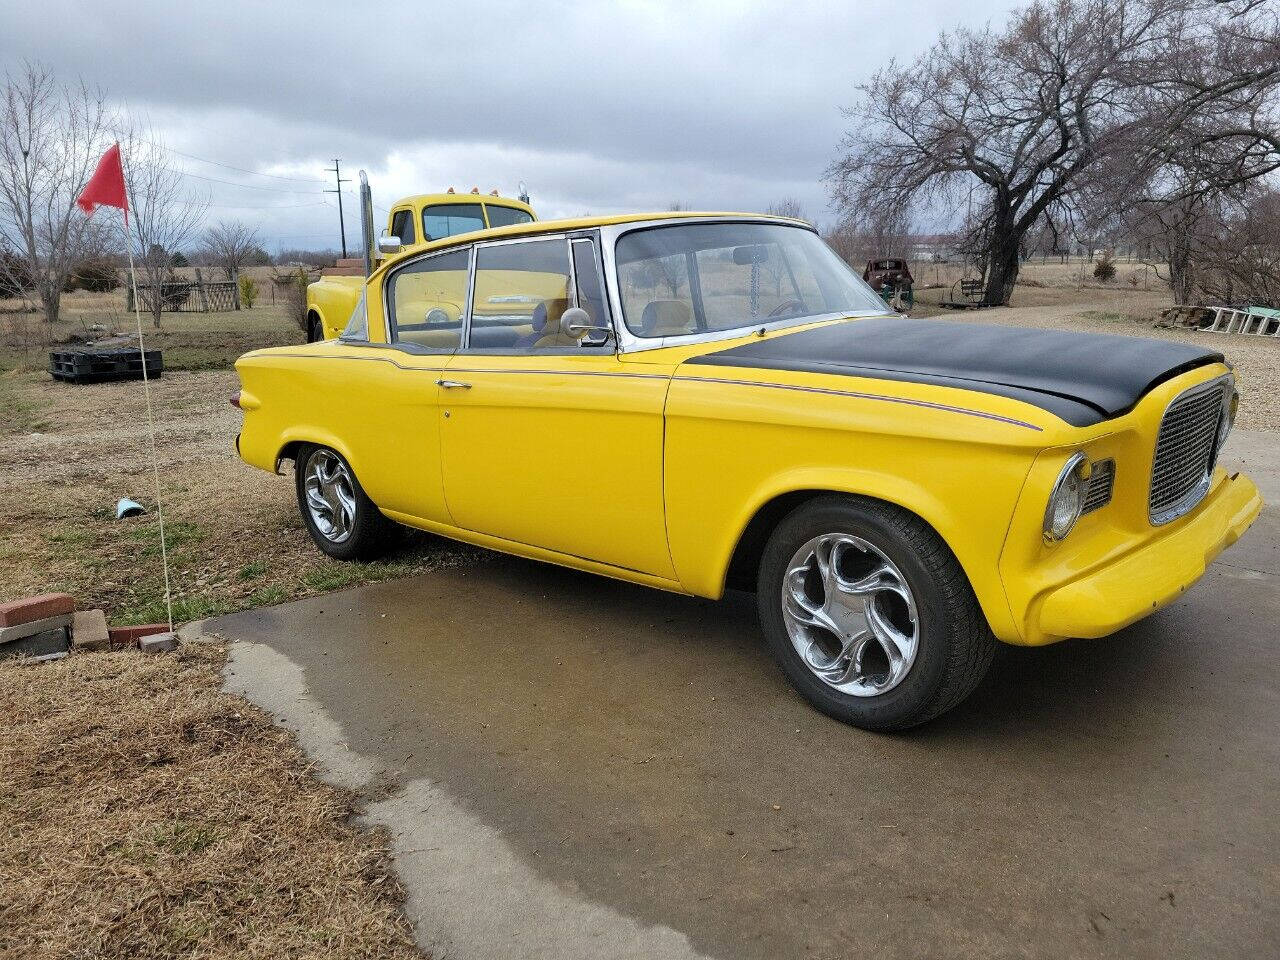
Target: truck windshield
x: 450, y: 219
x: 506, y: 216
x: 710, y: 277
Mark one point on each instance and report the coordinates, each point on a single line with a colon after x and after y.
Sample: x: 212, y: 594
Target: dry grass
x: 144, y: 813
x: 234, y: 533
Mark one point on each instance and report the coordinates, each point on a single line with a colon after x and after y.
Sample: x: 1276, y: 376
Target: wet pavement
x: 571, y: 766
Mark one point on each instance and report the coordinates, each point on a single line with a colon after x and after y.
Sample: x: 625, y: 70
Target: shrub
x: 95, y: 274
x: 15, y: 275
x: 1105, y: 269
x: 248, y: 291
x: 294, y: 289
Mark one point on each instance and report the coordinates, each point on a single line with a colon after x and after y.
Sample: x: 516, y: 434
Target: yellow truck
x: 412, y: 223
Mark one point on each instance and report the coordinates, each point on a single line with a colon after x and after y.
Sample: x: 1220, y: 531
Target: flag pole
x: 151, y: 423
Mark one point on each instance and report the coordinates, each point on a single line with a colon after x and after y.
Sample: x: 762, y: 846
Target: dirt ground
x: 144, y: 813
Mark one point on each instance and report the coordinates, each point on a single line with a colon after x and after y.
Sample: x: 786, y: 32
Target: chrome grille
x: 1101, y: 479
x: 1185, y: 451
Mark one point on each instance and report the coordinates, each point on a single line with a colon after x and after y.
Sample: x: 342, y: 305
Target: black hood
x: 1084, y: 378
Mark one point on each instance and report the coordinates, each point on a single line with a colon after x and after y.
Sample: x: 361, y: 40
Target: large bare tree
x: 1017, y: 122
x: 164, y: 214
x: 51, y: 136
x: 231, y: 246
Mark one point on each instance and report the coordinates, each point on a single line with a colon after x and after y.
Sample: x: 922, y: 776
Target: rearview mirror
x: 576, y: 323
x: 388, y: 244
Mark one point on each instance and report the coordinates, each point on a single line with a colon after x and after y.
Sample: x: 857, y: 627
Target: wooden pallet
x: 87, y: 365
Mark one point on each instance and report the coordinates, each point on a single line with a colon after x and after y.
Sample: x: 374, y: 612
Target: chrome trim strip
x: 855, y: 394
x: 927, y: 404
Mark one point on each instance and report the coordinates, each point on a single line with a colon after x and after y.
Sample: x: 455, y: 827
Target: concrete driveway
x: 573, y: 767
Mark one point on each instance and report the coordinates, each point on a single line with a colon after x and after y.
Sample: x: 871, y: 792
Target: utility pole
x: 342, y: 226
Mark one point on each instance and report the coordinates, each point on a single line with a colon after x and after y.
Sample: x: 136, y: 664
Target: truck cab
x: 412, y: 223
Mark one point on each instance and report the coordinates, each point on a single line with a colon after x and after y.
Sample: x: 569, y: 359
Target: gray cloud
x: 600, y: 107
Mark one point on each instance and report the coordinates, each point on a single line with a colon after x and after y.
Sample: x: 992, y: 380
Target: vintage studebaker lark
x: 699, y: 402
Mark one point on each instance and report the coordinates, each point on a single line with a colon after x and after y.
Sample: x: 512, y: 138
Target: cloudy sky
x: 597, y: 106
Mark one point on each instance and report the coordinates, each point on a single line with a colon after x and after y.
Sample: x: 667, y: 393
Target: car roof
x: 584, y: 223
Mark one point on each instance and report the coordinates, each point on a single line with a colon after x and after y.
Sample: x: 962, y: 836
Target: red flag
x: 106, y: 187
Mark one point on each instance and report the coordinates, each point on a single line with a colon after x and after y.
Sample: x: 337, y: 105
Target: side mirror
x: 388, y: 244
x: 576, y: 323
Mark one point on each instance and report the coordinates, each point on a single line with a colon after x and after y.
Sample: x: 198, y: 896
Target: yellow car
x: 699, y: 402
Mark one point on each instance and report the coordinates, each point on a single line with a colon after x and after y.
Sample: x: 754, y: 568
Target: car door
x: 425, y: 300
x: 547, y: 440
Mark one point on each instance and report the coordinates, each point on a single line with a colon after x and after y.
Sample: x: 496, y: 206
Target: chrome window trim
x: 607, y: 236
x: 568, y: 237
x: 413, y: 261
x: 629, y: 342
x: 1196, y: 494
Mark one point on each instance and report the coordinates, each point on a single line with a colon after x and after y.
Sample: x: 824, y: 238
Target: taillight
x: 234, y: 400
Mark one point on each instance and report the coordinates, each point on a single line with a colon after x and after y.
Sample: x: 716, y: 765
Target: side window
x: 450, y: 219
x: 521, y: 290
x: 426, y: 299
x: 402, y: 227
x: 656, y: 289
x: 505, y: 216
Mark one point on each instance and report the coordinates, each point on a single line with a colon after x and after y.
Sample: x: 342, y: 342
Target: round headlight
x: 1067, y: 500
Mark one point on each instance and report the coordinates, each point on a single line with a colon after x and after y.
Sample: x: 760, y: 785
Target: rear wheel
x: 341, y: 519
x: 870, y: 615
x: 315, y: 329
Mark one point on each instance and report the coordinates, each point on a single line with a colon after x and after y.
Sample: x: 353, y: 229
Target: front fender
x: 731, y: 451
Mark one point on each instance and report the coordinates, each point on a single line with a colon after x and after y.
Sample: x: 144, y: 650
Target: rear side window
x: 521, y: 291
x: 450, y: 219
x: 426, y: 300
x: 506, y: 216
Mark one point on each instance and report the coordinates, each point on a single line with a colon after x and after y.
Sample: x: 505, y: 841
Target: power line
x: 228, y: 166
x: 232, y: 183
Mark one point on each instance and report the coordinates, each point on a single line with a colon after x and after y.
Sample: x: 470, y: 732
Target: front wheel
x: 870, y: 615
x: 340, y: 517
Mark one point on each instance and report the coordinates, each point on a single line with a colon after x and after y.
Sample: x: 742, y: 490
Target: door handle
x: 453, y: 384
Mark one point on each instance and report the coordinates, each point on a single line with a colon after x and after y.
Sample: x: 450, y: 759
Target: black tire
x: 315, y: 332
x: 955, y: 645
x: 369, y: 533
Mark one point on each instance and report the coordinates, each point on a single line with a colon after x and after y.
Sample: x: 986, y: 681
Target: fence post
x: 235, y: 286
x: 200, y: 289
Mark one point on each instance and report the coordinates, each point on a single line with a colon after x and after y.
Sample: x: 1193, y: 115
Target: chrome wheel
x: 330, y: 494
x: 850, y: 615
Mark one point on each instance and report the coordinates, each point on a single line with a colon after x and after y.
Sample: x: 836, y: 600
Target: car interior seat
x: 666, y: 318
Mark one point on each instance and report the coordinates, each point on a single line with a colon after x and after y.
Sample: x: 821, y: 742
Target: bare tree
x: 1022, y: 119
x: 163, y: 215
x: 231, y: 246
x: 51, y: 136
x: 787, y: 207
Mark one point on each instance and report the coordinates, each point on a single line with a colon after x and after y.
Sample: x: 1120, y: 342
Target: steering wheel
x: 786, y: 306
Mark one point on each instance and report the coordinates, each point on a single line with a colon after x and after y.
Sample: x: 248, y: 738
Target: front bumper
x: 1146, y: 579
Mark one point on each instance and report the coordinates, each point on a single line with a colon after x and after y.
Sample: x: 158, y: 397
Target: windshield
x: 708, y: 277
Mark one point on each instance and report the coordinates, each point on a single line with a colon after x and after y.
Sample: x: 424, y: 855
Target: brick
x: 46, y: 645
x: 17, y: 632
x: 158, y: 643
x: 129, y: 636
x: 89, y: 630
x: 36, y: 608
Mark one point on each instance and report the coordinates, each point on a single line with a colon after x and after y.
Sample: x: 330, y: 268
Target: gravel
x: 1256, y: 359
